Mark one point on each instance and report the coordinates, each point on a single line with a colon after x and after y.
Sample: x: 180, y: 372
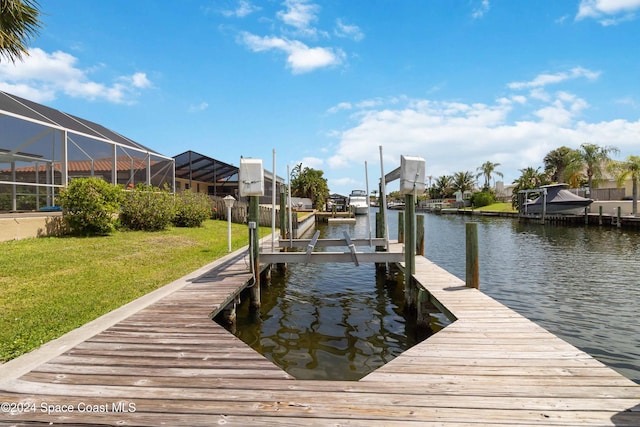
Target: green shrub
x: 483, y: 198
x: 147, y: 208
x: 192, y: 209
x: 90, y: 206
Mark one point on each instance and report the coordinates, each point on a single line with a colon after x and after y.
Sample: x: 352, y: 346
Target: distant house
x: 337, y: 202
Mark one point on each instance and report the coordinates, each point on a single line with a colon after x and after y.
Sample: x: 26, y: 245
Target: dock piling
x: 420, y: 235
x: 600, y: 215
x: 401, y: 216
x: 254, y: 249
x: 409, y: 253
x: 472, y: 264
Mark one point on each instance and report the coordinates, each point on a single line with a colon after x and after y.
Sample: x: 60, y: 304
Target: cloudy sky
x: 326, y: 83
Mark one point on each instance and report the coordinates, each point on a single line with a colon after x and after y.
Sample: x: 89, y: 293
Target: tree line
x: 580, y: 167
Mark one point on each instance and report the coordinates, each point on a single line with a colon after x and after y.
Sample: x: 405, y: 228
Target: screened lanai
x: 204, y: 174
x: 42, y: 149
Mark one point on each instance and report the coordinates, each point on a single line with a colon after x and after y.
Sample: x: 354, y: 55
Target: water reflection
x: 330, y: 321
x: 581, y: 283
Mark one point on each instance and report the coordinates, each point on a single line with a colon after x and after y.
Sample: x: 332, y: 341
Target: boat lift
x: 386, y: 251
x: 351, y: 255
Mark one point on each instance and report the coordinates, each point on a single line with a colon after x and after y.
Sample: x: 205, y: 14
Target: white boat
x: 559, y: 200
x: 395, y: 205
x: 359, y: 202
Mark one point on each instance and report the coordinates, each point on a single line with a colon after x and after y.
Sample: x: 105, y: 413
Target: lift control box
x: 251, y: 177
x: 412, y: 170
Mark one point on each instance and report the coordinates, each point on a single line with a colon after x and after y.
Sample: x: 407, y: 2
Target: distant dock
x: 326, y: 216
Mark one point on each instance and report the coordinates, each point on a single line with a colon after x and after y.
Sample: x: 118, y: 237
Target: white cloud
x: 370, y: 103
x: 300, y: 14
x: 608, y: 12
x: 42, y: 76
x: 348, y: 31
x: 339, y: 107
x: 539, y: 94
x: 365, y: 104
x: 629, y: 102
x: 242, y: 9
x: 198, y: 107
x: 300, y: 57
x: 311, y: 162
x: 344, y: 182
x: 458, y: 136
x: 481, y: 9
x: 299, y: 18
x: 140, y: 80
x: 544, y: 79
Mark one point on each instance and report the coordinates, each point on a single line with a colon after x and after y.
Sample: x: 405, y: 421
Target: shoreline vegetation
x: 52, y: 285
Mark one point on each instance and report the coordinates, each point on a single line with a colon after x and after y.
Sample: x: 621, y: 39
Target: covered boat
x: 559, y: 200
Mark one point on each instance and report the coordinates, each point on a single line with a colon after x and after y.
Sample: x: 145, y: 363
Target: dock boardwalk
x: 166, y: 362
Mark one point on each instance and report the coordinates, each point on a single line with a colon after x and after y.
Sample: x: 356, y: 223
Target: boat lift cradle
x: 352, y: 255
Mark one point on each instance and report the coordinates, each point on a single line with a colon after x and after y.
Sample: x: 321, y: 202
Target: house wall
x: 229, y: 188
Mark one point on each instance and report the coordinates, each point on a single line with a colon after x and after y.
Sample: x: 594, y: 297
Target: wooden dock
x: 165, y: 362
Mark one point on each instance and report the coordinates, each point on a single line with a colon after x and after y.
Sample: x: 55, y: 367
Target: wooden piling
x: 600, y: 215
x: 254, y: 247
x: 420, y: 235
x: 586, y: 216
x: 423, y: 318
x: 283, y: 224
x: 380, y: 233
x: 283, y: 214
x: 401, y: 216
x: 619, y: 222
x: 472, y: 270
x: 228, y: 314
x: 409, y: 253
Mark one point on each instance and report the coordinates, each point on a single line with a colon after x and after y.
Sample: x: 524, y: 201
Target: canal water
x: 580, y: 283
x: 338, y: 321
x: 332, y: 321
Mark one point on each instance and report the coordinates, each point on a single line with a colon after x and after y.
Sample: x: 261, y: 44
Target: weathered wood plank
x: 275, y: 407
x: 490, y: 367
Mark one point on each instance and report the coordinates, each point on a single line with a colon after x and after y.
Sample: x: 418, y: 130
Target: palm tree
x: 444, y: 186
x: 629, y: 168
x: 593, y: 157
x: 487, y: 169
x: 556, y: 163
x: 309, y: 183
x: 463, y: 181
x: 19, y: 24
x: 529, y: 179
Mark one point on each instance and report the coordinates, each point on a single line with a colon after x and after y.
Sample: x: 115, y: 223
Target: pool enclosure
x: 42, y: 149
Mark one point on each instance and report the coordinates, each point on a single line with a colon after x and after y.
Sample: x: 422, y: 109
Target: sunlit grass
x: 498, y: 207
x: 50, y: 286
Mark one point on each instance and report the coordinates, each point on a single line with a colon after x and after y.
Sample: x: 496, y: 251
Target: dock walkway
x: 161, y: 360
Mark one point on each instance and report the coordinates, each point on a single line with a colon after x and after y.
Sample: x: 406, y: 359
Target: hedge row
x: 93, y: 206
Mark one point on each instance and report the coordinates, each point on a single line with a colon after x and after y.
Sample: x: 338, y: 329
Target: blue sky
x: 325, y: 83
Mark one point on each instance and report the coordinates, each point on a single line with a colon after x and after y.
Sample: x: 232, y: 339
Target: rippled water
x: 330, y: 321
x: 338, y: 321
x: 581, y: 283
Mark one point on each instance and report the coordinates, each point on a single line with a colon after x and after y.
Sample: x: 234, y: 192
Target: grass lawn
x: 50, y: 286
x: 498, y: 207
